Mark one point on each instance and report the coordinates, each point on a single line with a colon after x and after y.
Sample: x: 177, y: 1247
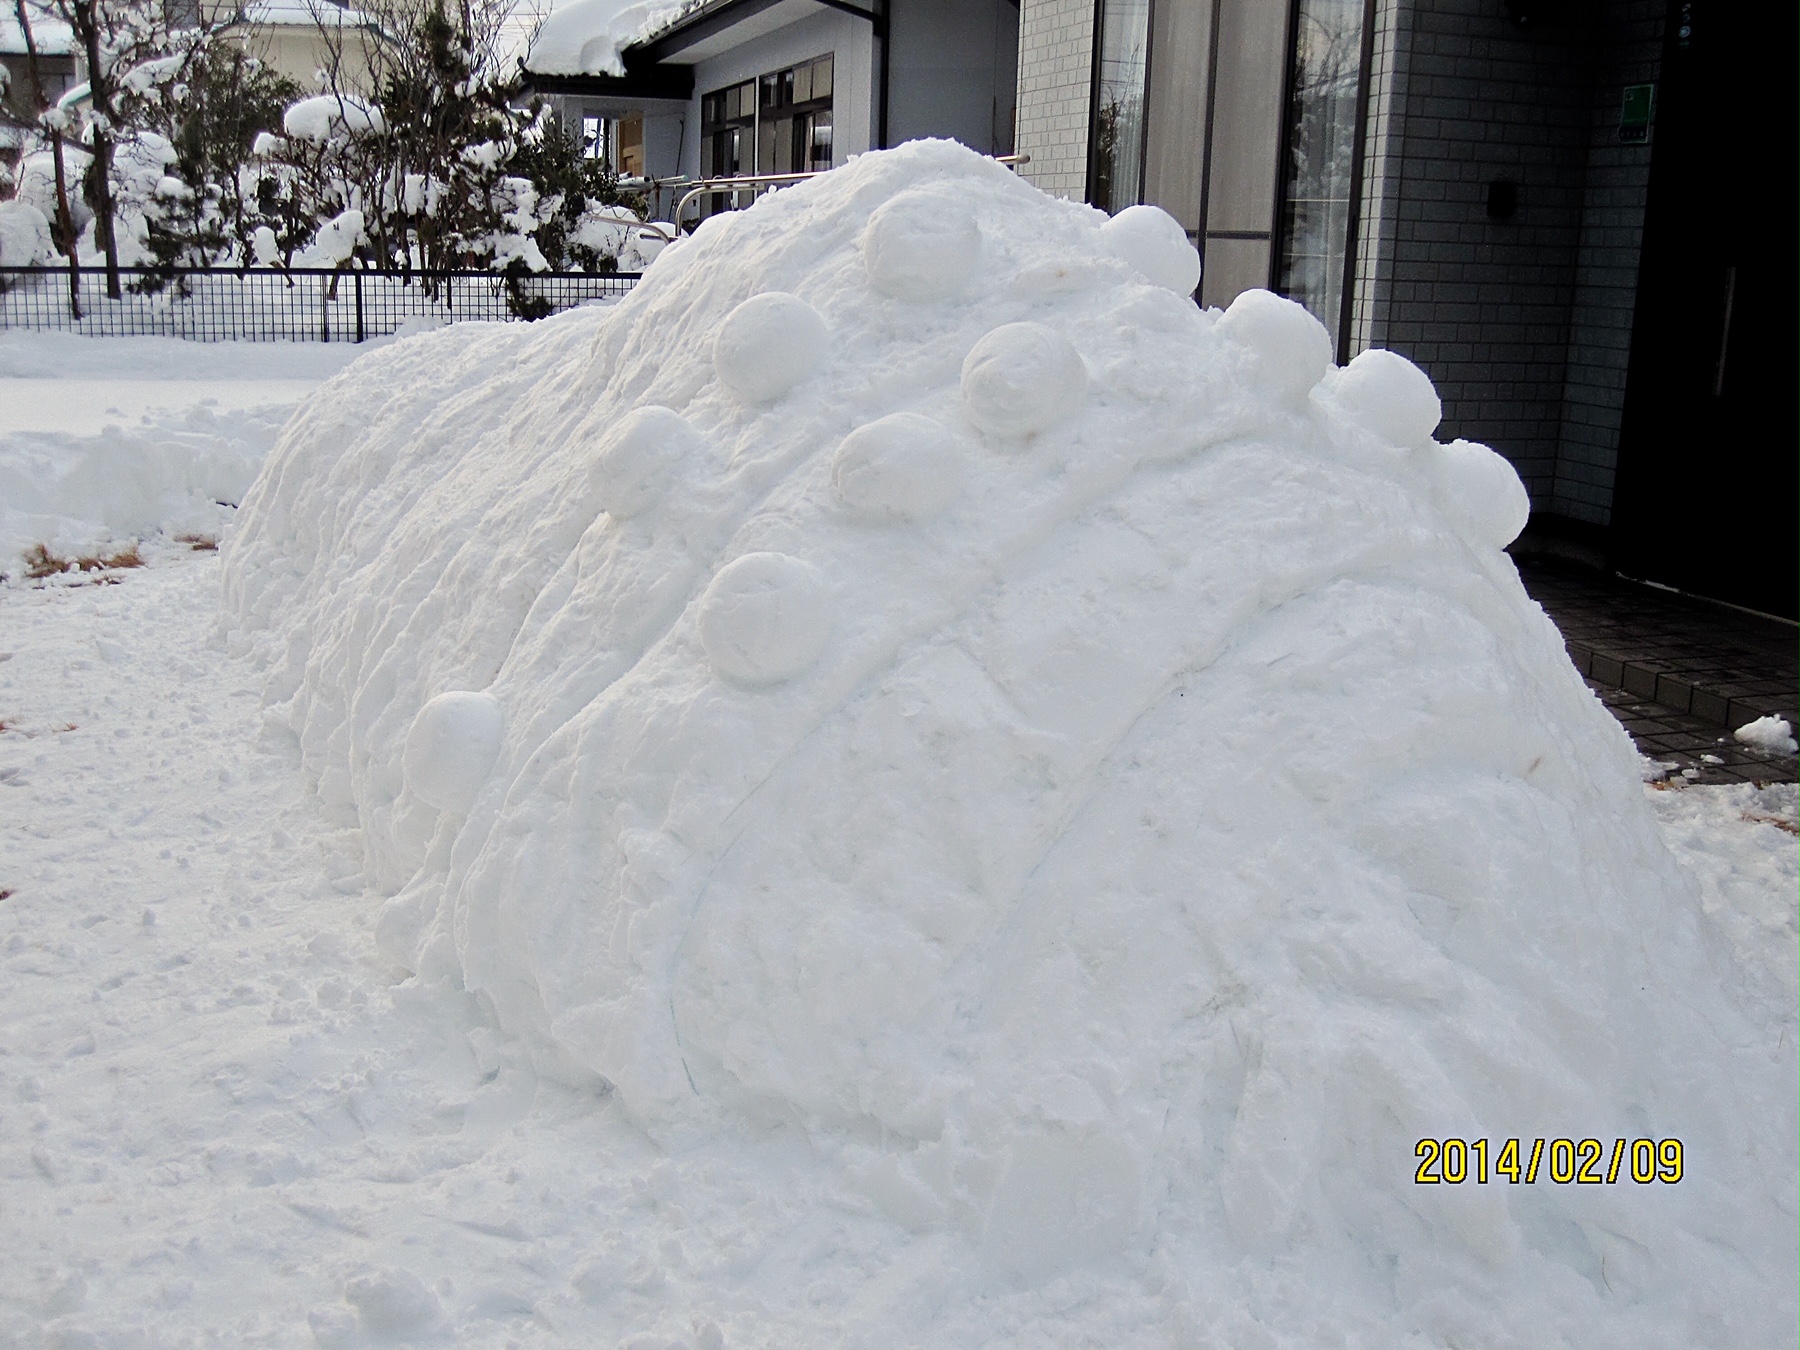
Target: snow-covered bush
x: 24, y: 235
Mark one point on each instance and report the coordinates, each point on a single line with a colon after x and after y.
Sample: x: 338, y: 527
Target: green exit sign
x: 1635, y: 110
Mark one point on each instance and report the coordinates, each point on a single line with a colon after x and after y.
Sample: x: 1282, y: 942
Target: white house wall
x: 953, y: 71
x: 852, y: 47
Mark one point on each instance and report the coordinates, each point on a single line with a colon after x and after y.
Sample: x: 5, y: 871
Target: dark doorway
x: 1707, y: 487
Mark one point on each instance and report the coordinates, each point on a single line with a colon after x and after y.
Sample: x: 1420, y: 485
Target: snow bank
x: 178, y: 471
x: 1081, y: 765
x: 105, y: 439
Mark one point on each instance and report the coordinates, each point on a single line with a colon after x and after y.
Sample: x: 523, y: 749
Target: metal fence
x: 208, y: 304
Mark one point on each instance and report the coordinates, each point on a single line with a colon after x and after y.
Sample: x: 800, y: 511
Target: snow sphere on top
x: 1292, y: 349
x: 1391, y: 397
x: 921, y: 246
x: 765, y: 618
x: 1478, y: 490
x: 1022, y: 378
x: 768, y: 344
x: 638, y: 458
x: 1153, y: 242
x: 451, y: 748
x: 899, y: 467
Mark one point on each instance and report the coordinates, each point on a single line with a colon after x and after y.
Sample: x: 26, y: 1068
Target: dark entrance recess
x: 1706, y: 497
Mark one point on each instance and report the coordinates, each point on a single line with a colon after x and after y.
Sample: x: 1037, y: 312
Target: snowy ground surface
x: 223, y: 1120
x: 104, y: 439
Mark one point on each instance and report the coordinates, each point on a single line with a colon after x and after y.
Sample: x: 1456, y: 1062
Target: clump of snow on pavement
x: 1769, y: 733
x: 1095, y: 875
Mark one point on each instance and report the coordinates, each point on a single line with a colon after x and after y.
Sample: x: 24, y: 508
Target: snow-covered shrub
x: 37, y: 182
x: 24, y: 236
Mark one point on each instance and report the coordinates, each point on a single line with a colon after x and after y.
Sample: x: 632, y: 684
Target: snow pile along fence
x: 293, y: 305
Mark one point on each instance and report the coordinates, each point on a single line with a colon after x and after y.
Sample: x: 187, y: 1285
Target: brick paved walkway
x: 1680, y: 674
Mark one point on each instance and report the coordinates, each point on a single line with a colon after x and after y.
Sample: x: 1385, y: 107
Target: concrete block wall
x: 1484, y: 306
x: 1612, y: 230
x: 1056, y: 72
x: 1384, y: 175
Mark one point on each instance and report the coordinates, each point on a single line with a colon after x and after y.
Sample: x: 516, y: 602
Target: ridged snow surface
x: 1081, y: 762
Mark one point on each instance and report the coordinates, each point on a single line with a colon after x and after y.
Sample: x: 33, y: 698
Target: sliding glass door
x: 1323, y: 159
x: 1116, y: 132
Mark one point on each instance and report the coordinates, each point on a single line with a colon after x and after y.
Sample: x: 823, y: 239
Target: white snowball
x: 1022, y: 378
x: 765, y: 618
x: 1478, y: 490
x: 768, y: 344
x: 921, y: 246
x: 1293, y: 350
x: 453, y: 744
x: 1391, y: 397
x: 1152, y: 241
x: 637, y: 459
x: 901, y: 467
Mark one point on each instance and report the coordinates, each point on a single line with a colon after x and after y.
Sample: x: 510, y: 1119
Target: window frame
x: 1280, y: 235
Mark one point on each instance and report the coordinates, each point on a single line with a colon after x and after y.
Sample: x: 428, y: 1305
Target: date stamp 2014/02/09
x: 1586, y: 1162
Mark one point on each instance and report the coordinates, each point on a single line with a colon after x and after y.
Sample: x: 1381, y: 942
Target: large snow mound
x: 1081, y: 763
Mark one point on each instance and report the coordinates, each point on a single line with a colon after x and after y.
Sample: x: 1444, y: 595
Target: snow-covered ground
x: 107, y: 439
x: 225, y: 1120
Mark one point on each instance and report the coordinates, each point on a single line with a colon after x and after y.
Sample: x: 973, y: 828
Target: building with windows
x: 736, y: 87
x: 59, y: 67
x: 1558, y: 208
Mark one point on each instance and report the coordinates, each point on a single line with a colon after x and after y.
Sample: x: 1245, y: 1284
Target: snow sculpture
x: 1022, y: 378
x: 899, y: 467
x: 638, y: 458
x: 1088, y: 885
x: 1152, y: 241
x: 764, y: 618
x: 921, y: 246
x: 767, y: 345
x: 451, y: 747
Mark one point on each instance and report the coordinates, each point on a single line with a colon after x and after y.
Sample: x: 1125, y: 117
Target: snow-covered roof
x: 51, y: 35
x: 303, y: 14
x: 586, y: 37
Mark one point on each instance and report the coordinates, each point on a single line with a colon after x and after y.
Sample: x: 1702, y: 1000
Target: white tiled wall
x: 1056, y: 69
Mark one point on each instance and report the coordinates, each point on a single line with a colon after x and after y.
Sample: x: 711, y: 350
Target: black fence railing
x: 215, y: 304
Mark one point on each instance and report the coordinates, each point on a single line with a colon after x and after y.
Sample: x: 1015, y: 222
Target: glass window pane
x: 821, y: 140
x: 821, y: 79
x: 1315, y: 225
x: 802, y: 76
x: 1116, y: 138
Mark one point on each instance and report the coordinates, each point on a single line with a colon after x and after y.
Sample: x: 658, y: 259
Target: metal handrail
x: 706, y: 185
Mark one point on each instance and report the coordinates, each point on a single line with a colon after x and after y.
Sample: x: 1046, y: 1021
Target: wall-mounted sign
x: 1635, y: 111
